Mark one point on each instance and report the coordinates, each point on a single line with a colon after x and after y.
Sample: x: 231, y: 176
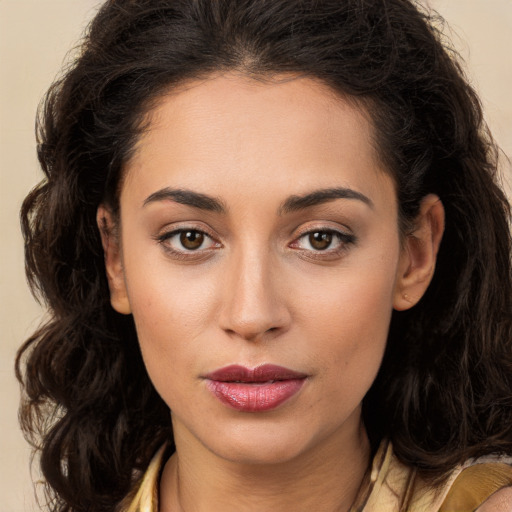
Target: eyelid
x: 169, y: 232
x: 313, y: 227
x: 345, y: 237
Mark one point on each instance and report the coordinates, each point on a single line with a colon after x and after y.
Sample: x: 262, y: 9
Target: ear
x: 113, y: 260
x: 418, y: 257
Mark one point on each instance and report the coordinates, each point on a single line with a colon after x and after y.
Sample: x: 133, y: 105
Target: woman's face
x: 258, y: 227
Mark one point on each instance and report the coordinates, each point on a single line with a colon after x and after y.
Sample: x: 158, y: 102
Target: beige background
x: 35, y: 36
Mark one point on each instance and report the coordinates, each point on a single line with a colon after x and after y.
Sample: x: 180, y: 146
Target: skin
x: 257, y: 291
x: 500, y: 501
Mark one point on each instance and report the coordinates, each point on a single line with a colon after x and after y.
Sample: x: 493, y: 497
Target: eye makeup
x: 190, y: 242
x: 323, y: 243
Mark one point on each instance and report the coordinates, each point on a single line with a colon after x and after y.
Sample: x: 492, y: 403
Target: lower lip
x: 255, y: 397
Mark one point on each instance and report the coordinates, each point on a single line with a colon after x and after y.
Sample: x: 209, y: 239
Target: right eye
x: 187, y: 240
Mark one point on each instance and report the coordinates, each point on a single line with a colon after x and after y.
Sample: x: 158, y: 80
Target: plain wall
x: 35, y: 36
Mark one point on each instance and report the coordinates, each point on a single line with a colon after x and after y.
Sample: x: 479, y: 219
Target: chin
x: 262, y: 444
x: 263, y: 452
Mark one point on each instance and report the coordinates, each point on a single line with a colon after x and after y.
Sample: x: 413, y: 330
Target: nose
x: 254, y: 307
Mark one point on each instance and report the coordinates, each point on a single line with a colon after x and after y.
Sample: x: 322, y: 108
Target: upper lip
x: 262, y: 373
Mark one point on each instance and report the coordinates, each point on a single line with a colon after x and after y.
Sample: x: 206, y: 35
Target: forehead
x: 229, y: 129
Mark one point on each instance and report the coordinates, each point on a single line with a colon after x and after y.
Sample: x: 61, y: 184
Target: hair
x: 443, y: 392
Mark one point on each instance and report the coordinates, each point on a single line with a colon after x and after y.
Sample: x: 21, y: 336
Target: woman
x: 277, y: 263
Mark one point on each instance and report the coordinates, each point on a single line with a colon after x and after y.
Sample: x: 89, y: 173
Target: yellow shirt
x: 393, y: 487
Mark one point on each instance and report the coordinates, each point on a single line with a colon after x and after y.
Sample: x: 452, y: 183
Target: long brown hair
x: 444, y: 392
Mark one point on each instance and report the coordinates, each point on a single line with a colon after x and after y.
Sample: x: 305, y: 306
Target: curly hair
x: 444, y: 390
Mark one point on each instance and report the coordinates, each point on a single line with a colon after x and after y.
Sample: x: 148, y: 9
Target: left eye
x: 323, y: 240
x: 187, y: 240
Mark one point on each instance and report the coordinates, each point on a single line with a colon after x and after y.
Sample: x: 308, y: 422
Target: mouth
x: 254, y: 390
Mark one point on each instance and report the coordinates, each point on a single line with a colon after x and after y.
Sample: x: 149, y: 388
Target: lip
x: 254, y: 390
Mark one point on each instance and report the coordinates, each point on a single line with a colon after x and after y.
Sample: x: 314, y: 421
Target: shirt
x: 391, y: 486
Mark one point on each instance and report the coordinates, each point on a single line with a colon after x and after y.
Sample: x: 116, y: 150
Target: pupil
x: 191, y: 239
x: 320, y: 240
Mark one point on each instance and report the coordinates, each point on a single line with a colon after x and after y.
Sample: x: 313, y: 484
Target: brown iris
x: 320, y: 240
x: 191, y: 240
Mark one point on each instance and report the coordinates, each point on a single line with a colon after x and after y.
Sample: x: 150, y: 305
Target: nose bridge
x: 253, y: 305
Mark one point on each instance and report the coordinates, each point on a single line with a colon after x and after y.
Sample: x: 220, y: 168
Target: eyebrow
x: 188, y: 198
x: 292, y: 204
x: 296, y: 203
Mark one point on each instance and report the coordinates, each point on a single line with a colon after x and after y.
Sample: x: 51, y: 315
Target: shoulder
x: 483, y: 485
x: 500, y: 501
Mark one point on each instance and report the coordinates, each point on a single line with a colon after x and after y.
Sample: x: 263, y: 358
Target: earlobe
x: 113, y: 260
x: 419, y: 253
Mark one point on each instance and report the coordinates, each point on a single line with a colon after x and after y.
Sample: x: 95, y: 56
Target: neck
x: 325, y: 478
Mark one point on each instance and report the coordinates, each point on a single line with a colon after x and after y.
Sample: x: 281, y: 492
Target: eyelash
x: 187, y: 254
x: 344, y: 240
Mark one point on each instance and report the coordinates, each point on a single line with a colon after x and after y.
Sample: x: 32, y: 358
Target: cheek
x: 169, y: 319
x: 349, y: 321
x: 170, y: 308
x: 169, y: 303
x: 357, y: 298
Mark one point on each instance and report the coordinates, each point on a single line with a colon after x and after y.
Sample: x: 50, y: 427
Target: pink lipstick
x: 254, y: 390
